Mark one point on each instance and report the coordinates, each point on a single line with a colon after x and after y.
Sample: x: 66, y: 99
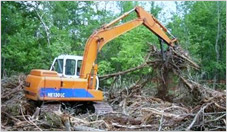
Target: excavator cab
x: 67, y: 66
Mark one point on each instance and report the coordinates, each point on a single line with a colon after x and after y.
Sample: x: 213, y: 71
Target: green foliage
x: 129, y: 49
x: 133, y: 49
x: 126, y: 6
x: 154, y: 10
x: 24, y: 39
x: 105, y: 67
x: 196, y: 24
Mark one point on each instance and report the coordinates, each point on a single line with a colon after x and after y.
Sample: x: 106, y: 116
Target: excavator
x: 74, y: 78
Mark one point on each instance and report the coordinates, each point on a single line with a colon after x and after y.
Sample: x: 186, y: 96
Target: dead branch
x: 30, y: 122
x: 44, y: 24
x: 132, y: 126
x: 187, y: 59
x: 103, y: 77
x: 17, y: 120
x: 159, y: 112
x: 216, y: 119
x: 65, y: 119
x: 85, y: 128
x: 161, y: 122
x: 36, y: 114
x: 196, y: 117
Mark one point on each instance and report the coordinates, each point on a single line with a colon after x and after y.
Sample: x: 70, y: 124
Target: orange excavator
x: 74, y: 78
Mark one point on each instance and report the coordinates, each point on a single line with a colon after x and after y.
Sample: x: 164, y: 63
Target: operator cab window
x: 78, y: 67
x: 70, y: 67
x: 58, y: 65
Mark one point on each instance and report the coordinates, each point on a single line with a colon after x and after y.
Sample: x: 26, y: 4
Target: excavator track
x: 99, y: 108
x: 102, y: 108
x: 51, y: 107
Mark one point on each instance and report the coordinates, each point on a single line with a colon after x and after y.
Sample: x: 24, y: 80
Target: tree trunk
x: 44, y: 25
x: 216, y: 45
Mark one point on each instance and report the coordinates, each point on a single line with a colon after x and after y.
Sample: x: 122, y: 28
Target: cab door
x: 58, y: 66
x: 70, y: 68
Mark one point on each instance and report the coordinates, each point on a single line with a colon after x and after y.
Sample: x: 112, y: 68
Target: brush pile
x: 193, y: 106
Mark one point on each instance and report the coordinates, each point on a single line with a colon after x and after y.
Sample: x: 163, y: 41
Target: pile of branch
x: 141, y: 112
x: 19, y: 114
x: 134, y: 110
x: 135, y: 107
x: 206, y: 102
x: 156, y: 114
x: 11, y: 85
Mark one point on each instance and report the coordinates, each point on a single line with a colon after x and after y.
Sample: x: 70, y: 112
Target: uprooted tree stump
x: 162, y: 92
x: 176, y: 61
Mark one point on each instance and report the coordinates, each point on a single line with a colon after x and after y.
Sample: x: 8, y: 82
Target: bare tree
x: 46, y: 28
x: 216, y: 44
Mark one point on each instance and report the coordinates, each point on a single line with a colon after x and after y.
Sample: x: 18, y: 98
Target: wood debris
x: 134, y: 108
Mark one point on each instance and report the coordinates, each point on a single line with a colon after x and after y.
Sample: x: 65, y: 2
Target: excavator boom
x: 107, y: 33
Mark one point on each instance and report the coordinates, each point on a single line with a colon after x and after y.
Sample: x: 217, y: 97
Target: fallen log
x: 165, y: 114
x: 103, y: 77
x: 85, y: 128
x: 132, y: 126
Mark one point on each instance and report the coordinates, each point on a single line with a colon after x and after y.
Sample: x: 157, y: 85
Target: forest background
x: 34, y: 33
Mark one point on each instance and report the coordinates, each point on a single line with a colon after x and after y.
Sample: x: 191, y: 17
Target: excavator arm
x: 107, y: 33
